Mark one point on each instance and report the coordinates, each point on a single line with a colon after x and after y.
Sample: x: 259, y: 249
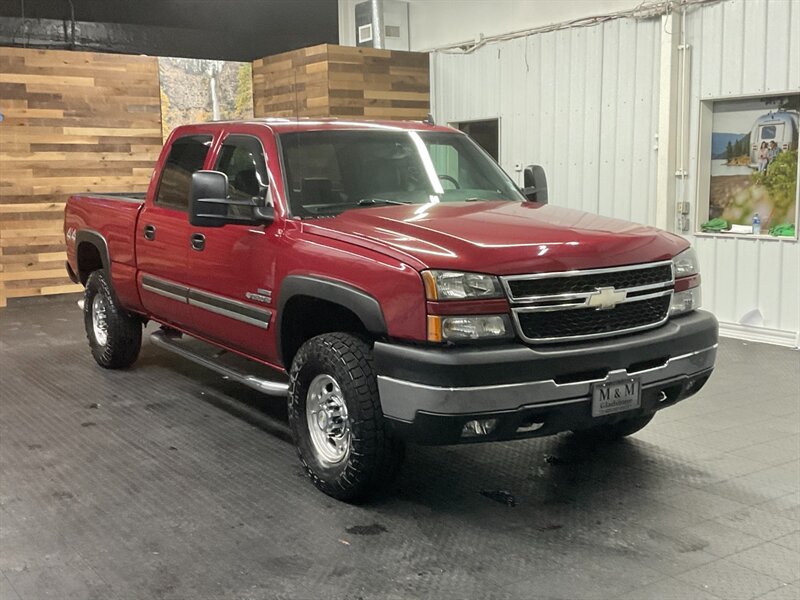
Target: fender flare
x: 97, y: 240
x: 360, y: 303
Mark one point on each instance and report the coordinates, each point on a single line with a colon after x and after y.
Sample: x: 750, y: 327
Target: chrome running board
x: 169, y: 342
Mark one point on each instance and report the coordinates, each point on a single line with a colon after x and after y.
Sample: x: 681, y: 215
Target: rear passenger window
x: 186, y: 156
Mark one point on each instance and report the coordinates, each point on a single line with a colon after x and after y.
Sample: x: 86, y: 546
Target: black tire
x: 611, y: 432
x: 375, y: 455
x: 123, y: 331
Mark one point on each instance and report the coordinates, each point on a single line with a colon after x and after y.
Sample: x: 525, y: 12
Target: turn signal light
x: 434, y: 328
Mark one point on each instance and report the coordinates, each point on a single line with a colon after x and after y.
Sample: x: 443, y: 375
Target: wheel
x: 613, y: 431
x: 335, y: 416
x: 115, y: 336
x: 451, y: 180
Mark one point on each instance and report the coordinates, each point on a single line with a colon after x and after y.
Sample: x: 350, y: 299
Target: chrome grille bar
x: 592, y: 297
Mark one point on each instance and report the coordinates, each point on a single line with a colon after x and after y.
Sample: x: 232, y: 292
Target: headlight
x: 686, y: 263
x: 687, y: 283
x: 448, y: 328
x: 452, y: 285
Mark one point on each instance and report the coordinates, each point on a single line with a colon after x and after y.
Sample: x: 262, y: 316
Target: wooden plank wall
x: 73, y: 122
x: 342, y: 81
x: 292, y: 84
x: 367, y: 83
x: 88, y: 122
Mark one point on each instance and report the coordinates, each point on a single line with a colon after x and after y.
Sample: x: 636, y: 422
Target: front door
x: 232, y: 268
x: 162, y: 237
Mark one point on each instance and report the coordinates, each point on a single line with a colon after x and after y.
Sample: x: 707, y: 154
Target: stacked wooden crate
x: 72, y: 122
x: 342, y: 81
x: 291, y: 84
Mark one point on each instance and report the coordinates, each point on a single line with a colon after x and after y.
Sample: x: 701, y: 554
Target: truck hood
x: 501, y: 238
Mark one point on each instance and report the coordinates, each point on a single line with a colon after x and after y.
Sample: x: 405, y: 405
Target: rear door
x: 162, y: 236
x: 232, y: 268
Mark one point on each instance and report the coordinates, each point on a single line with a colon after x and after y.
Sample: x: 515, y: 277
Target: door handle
x: 198, y: 241
x: 149, y: 232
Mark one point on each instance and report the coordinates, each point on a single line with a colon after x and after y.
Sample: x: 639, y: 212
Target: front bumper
x: 428, y: 394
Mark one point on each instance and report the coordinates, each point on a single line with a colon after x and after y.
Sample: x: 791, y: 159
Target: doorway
x: 486, y: 134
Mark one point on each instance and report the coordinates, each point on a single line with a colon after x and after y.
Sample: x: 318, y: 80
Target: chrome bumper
x: 401, y: 400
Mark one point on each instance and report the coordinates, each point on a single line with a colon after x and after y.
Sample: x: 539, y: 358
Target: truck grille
x: 575, y: 305
x: 576, y: 284
x: 591, y: 322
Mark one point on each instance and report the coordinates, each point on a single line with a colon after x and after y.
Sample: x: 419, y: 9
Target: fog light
x: 529, y: 427
x: 478, y: 427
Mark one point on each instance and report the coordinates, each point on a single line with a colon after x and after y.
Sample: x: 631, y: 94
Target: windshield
x: 328, y: 172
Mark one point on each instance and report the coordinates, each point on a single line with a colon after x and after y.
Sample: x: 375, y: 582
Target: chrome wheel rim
x: 326, y: 417
x: 99, y: 322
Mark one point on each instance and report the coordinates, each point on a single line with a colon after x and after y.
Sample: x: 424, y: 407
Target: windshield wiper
x: 374, y: 201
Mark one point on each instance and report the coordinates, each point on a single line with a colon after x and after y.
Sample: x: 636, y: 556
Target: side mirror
x: 209, y: 205
x: 535, y: 182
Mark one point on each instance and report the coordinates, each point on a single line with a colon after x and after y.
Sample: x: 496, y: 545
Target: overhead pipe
x: 378, y: 36
x: 72, y: 25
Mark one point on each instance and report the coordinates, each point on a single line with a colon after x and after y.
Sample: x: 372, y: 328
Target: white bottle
x: 756, y: 224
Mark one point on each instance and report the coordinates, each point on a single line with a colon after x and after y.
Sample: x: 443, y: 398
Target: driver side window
x: 241, y: 158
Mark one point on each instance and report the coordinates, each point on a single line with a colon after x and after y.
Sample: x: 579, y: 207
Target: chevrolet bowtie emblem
x: 606, y: 297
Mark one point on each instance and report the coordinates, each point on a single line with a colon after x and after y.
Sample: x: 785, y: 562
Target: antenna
x: 429, y: 119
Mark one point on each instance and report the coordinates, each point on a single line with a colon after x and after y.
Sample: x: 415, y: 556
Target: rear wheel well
x: 305, y: 317
x: 89, y: 260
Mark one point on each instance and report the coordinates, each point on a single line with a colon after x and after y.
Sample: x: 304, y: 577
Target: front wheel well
x: 305, y: 317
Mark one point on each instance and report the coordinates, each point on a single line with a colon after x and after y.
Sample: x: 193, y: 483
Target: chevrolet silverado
x: 394, y: 284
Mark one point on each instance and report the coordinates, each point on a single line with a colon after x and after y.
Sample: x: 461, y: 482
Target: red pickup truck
x: 395, y: 284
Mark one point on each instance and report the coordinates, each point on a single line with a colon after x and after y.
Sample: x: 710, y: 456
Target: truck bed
x: 114, y: 218
x: 111, y: 215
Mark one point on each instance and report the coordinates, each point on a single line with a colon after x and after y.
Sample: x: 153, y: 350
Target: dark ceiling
x: 221, y: 29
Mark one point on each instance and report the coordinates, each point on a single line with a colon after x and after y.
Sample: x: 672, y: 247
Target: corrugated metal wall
x: 584, y: 104
x: 745, y: 47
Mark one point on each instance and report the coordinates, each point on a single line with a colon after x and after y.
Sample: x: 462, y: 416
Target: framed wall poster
x: 196, y: 91
x: 748, y: 165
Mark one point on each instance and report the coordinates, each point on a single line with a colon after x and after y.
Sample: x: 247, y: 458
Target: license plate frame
x: 612, y: 397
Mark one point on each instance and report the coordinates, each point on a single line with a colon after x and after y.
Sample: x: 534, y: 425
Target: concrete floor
x: 165, y: 481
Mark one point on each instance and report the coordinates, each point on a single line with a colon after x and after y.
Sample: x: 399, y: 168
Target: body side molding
x: 227, y: 307
x: 221, y: 305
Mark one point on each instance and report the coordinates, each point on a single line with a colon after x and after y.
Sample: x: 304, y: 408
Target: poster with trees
x: 196, y: 90
x: 754, y: 161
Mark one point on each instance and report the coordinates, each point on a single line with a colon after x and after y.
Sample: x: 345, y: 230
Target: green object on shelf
x: 717, y: 224
x: 783, y: 230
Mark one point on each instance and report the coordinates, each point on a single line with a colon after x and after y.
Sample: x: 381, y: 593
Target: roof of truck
x: 288, y: 125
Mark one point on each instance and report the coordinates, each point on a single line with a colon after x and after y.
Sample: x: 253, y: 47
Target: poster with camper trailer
x: 754, y: 161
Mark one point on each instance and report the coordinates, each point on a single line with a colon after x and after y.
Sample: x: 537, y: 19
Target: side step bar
x: 274, y: 388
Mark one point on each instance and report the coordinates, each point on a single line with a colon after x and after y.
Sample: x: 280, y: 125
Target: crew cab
x: 394, y: 284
